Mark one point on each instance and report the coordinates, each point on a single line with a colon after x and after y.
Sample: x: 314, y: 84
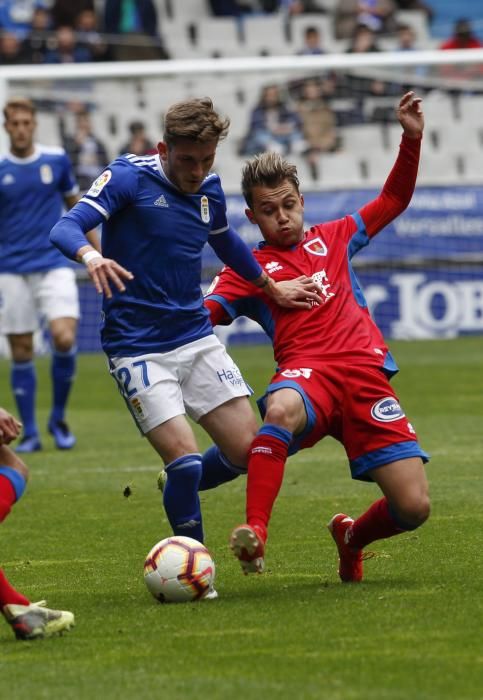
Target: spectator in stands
x: 89, y: 36
x: 274, y: 126
x: 66, y: 12
x: 66, y: 49
x: 319, y: 123
x: 462, y: 37
x: 35, y: 44
x: 135, y: 22
x: 87, y: 153
x: 312, y: 42
x: 378, y: 15
x: 363, y: 40
x: 406, y: 41
x: 138, y: 143
x: 406, y: 38
x: 356, y: 87
x: 11, y: 53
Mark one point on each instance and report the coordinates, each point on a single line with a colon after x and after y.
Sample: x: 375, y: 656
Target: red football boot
x: 248, y: 545
x: 350, y: 559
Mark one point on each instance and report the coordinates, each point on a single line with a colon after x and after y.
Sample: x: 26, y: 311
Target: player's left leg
x: 58, y: 301
x: 63, y: 366
x: 285, y: 415
x: 23, y: 380
x: 405, y: 505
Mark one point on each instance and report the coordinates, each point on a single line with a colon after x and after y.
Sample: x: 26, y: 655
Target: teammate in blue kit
x: 35, y: 184
x: 158, y: 212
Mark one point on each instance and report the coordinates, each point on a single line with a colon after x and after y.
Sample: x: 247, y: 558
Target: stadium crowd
x: 303, y: 118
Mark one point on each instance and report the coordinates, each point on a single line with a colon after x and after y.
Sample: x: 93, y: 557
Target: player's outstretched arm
x: 10, y: 427
x: 398, y: 189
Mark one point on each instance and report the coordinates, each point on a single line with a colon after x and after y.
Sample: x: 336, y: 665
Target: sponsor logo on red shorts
x: 387, y: 410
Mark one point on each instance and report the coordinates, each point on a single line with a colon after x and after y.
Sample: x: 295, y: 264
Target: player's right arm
x: 110, y: 192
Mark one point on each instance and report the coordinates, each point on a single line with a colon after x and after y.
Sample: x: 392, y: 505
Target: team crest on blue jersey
x: 99, y: 184
x: 46, y: 174
x: 205, y: 210
x: 387, y: 410
x: 316, y: 247
x: 8, y: 179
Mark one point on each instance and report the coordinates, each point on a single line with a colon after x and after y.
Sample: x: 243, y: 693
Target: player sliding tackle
x: 333, y: 364
x: 158, y: 212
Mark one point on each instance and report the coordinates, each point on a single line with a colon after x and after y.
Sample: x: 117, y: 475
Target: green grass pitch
x: 412, y: 630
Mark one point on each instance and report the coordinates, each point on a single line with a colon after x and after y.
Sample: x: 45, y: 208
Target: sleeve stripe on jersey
x: 96, y: 206
x: 219, y: 230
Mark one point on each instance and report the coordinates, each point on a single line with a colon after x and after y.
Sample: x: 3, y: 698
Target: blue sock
x: 217, y: 469
x: 23, y: 379
x: 63, y: 372
x: 180, y: 496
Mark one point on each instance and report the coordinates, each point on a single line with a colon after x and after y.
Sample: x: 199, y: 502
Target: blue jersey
x: 32, y: 192
x: 158, y: 233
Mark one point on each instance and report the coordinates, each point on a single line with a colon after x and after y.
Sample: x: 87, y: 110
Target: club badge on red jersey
x: 316, y: 247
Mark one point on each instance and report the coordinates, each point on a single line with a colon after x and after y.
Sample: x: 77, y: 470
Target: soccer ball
x: 178, y: 570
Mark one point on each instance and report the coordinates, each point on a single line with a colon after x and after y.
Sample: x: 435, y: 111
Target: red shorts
x: 358, y: 407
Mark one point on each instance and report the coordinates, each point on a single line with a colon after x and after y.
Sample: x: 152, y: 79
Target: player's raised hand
x: 300, y: 293
x: 106, y: 274
x: 410, y: 115
x: 9, y: 427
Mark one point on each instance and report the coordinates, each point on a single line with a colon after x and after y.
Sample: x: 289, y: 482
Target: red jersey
x: 340, y: 328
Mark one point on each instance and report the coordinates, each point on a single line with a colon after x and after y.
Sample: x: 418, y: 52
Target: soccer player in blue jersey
x: 28, y: 620
x: 36, y: 183
x: 158, y: 212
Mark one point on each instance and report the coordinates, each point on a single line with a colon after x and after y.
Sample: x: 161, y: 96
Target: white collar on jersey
x: 38, y: 150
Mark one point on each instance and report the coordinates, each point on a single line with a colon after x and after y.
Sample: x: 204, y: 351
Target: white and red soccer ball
x: 179, y: 570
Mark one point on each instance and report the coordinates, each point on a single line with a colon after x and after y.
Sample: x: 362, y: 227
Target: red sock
x: 7, y: 497
x: 8, y: 594
x: 265, y: 475
x: 376, y: 523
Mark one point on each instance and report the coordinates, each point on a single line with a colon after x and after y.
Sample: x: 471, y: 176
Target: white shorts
x: 25, y: 300
x: 193, y: 379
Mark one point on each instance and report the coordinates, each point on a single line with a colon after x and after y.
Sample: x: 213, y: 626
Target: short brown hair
x: 194, y: 119
x: 19, y: 103
x: 266, y: 170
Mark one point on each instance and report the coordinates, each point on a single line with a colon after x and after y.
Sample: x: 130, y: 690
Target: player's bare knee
x: 278, y: 414
x: 414, y: 511
x: 21, y: 347
x: 64, y: 341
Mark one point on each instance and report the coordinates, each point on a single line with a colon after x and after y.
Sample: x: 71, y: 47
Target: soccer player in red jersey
x: 333, y: 364
x: 28, y: 620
